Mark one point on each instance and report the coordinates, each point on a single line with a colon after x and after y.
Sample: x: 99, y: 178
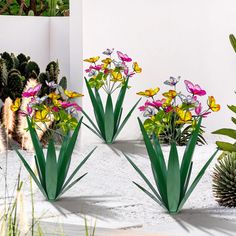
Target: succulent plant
x: 224, y: 180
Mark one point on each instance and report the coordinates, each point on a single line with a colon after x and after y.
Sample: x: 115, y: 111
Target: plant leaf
x: 227, y: 132
x: 94, y: 131
x: 66, y: 159
x: 156, y: 167
x: 119, y: 102
x: 144, y: 178
x: 109, y: 119
x: 225, y: 146
x: 78, y: 168
x: 72, y: 184
x: 125, y: 120
x: 232, y: 108
x: 38, y: 150
x: 150, y: 195
x: 31, y: 173
x: 196, y: 180
x: 97, y: 112
x: 51, y: 171
x: 173, y: 179
x: 187, y: 157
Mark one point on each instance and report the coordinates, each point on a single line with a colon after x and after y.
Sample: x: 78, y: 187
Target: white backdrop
x: 168, y: 37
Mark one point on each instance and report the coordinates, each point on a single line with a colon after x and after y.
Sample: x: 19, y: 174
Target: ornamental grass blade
x: 188, y: 177
x: 120, y: 100
x: 150, y: 195
x: 66, y: 159
x: 125, y: 120
x: 144, y: 178
x: 159, y: 153
x: 109, y: 119
x: 227, y: 132
x: 91, y: 122
x: 98, y: 115
x: 158, y: 174
x: 78, y: 168
x: 232, y: 108
x: 173, y: 179
x: 225, y: 146
x: 51, y: 171
x: 72, y: 184
x: 188, y: 154
x: 196, y: 181
x: 99, y: 102
x: 91, y: 129
x: 38, y: 171
x: 30, y: 171
x: 38, y: 150
x: 233, y: 120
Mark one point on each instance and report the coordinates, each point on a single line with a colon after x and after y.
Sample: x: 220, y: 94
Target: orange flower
x: 212, y: 104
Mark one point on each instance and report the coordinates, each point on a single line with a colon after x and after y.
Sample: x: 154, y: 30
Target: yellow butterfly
x: 16, y: 105
x: 107, y: 61
x: 72, y: 94
x: 116, y: 76
x: 149, y: 92
x: 170, y: 94
x: 41, y: 116
x: 54, y: 96
x: 212, y: 104
x: 92, y: 59
x: 184, y: 116
x: 136, y: 68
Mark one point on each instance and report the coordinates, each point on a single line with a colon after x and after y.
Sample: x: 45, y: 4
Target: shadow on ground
x: 93, y: 206
x: 130, y: 147
x: 207, y: 221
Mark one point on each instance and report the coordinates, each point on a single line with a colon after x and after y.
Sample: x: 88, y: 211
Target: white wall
x: 42, y: 38
x: 168, y: 37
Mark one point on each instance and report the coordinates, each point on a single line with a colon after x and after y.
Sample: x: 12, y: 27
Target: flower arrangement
x: 109, y: 75
x: 175, y: 115
x: 172, y: 179
x: 57, y: 109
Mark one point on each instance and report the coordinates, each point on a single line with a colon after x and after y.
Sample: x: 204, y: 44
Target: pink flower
x: 31, y: 92
x: 65, y: 104
x: 198, y: 111
x: 169, y: 109
x: 124, y: 57
x: 194, y: 89
x: 55, y: 109
x: 98, y: 68
x: 28, y: 111
x: 157, y: 103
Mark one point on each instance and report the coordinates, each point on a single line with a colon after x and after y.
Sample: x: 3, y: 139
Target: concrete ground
x: 107, y: 195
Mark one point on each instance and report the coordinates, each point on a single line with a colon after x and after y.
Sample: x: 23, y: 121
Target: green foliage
x: 52, y: 171
x: 226, y: 146
x: 171, y: 178
x: 224, y: 180
x: 35, y: 7
x: 232, y: 41
x: 108, y: 117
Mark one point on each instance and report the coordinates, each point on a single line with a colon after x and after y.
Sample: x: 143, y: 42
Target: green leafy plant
x: 110, y: 76
x: 172, y: 178
x: 231, y: 133
x: 35, y: 7
x: 52, y: 171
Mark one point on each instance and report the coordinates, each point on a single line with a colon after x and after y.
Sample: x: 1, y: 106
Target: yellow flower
x: 170, y: 94
x: 116, y: 76
x: 72, y: 94
x: 212, y: 104
x: 136, y: 68
x: 41, y: 116
x: 54, y: 96
x: 149, y: 92
x: 92, y: 59
x: 184, y: 116
x: 16, y: 105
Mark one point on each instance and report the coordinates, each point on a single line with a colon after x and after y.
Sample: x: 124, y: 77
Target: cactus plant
x: 17, y: 74
x: 224, y: 180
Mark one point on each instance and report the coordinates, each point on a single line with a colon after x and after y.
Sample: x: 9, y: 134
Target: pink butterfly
x: 194, y: 89
x: 124, y: 57
x: 198, y: 111
x: 31, y: 92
